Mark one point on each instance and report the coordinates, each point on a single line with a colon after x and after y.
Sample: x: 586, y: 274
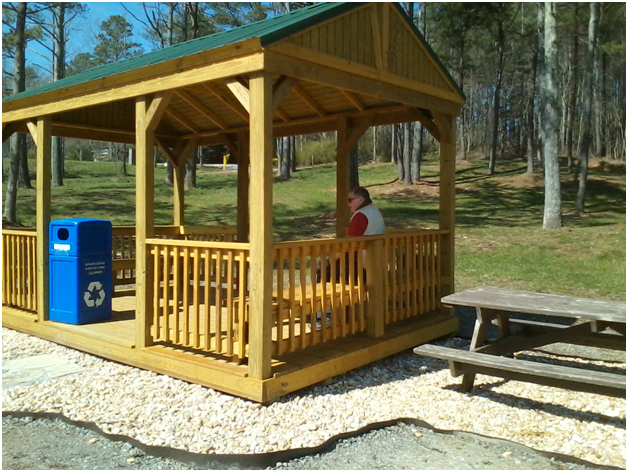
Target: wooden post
x: 261, y: 226
x: 342, y: 178
x: 375, y: 280
x: 144, y: 222
x: 147, y: 115
x: 243, y: 187
x: 447, y: 202
x: 178, y: 194
x: 43, y: 141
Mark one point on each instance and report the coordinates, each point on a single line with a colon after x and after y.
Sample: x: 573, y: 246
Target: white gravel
x: 159, y: 410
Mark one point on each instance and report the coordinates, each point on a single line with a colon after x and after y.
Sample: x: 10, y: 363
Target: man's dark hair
x: 361, y: 192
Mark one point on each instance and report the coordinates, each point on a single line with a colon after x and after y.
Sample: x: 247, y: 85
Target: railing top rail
x: 199, y: 244
x: 20, y: 232
x: 390, y: 234
x: 180, y: 230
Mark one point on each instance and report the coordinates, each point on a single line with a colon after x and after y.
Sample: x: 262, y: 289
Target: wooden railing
x: 197, y: 287
x: 124, y: 244
x: 320, y: 292
x: 19, y: 269
x: 320, y: 289
x: 413, y: 283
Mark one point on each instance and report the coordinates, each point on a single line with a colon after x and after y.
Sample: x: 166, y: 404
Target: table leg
x: 477, y: 340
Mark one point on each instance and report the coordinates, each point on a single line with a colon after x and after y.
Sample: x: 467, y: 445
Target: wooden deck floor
x: 115, y: 340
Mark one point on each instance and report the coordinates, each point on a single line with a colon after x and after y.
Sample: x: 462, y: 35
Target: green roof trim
x: 268, y: 31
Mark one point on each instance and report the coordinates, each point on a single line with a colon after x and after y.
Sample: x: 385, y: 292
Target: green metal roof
x: 268, y: 31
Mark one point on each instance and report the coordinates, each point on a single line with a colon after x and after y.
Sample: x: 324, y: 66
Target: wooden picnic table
x: 571, y: 320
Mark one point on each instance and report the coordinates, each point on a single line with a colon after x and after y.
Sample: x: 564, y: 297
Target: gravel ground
x: 157, y: 410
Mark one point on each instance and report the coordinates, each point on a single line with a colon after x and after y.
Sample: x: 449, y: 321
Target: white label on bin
x: 61, y: 247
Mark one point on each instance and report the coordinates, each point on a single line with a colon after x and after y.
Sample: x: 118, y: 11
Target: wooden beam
x: 354, y: 99
x: 158, y: 106
x: 33, y: 129
x: 178, y: 195
x: 375, y: 280
x: 447, y: 203
x: 385, y: 36
x: 202, y: 109
x: 428, y: 124
x: 281, y: 113
x: 43, y: 142
x: 170, y: 75
x: 443, y: 123
x: 261, y: 227
x: 189, y: 124
x: 8, y: 130
x: 144, y: 220
x: 241, y: 92
x: 226, y: 99
x: 360, y: 126
x: 286, y: 59
x: 307, y: 98
x: 281, y: 87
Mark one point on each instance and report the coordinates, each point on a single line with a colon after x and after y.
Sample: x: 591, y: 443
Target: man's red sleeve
x: 358, y: 225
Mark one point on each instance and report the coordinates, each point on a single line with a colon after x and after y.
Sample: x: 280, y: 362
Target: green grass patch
x: 499, y: 238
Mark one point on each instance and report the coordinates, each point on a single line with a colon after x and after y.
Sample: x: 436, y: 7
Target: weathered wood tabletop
x: 518, y: 301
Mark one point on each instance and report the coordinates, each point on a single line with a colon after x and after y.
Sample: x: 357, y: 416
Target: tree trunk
x: 587, y: 105
x: 190, y: 171
x: 573, y: 92
x: 415, y: 164
x: 551, y: 213
x: 407, y: 154
x: 18, y: 141
x: 501, y: 40
x: 58, y: 72
x: 354, y: 174
x: 285, y: 161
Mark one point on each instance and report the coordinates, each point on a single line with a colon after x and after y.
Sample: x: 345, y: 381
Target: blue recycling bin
x: 80, y: 270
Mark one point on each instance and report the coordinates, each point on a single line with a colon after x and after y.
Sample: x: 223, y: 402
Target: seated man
x: 366, y: 219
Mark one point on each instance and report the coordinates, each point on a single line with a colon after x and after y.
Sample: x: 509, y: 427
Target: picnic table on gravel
x: 596, y: 323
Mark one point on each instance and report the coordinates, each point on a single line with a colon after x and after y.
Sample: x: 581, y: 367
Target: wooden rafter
x: 307, y: 98
x: 281, y: 113
x: 428, y: 124
x: 202, y: 109
x: 235, y: 106
x: 281, y: 87
x: 183, y: 120
x: 8, y: 129
x: 354, y: 99
x: 241, y: 92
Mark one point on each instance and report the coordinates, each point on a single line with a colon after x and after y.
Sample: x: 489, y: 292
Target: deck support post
x: 375, y: 279
x: 147, y: 115
x: 42, y: 135
x: 243, y: 187
x: 447, y: 200
x: 342, y: 178
x: 261, y: 226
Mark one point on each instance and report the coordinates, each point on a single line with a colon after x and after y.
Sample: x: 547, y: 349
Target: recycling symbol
x: 95, y: 294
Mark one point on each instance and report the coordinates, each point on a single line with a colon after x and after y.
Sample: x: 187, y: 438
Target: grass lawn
x: 499, y: 238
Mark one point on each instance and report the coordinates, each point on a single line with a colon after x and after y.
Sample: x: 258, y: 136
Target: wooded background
x: 541, y: 80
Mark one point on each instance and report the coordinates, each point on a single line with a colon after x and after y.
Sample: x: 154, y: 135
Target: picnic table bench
x: 599, y: 323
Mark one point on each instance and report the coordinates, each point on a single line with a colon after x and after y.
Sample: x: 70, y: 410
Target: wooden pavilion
x: 229, y: 307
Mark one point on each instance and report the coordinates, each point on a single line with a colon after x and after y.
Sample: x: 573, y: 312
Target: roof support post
x: 147, y: 115
x: 261, y: 226
x: 342, y: 178
x: 447, y: 201
x: 42, y: 134
x: 243, y: 187
x: 178, y: 194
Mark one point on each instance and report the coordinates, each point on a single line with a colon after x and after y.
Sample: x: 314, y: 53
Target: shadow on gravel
x: 258, y: 461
